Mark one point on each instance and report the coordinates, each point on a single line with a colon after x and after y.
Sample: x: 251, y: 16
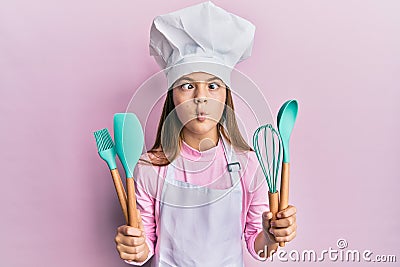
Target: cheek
x: 217, y: 105
x: 184, y: 109
x: 215, y: 108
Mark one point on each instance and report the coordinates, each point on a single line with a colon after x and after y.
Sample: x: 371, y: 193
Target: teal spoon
x: 286, y: 118
x: 129, y: 140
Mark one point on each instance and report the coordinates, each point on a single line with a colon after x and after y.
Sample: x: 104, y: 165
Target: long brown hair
x: 169, y: 133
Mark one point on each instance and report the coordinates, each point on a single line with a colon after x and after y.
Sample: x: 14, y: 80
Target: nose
x: 199, y: 100
x: 201, y: 93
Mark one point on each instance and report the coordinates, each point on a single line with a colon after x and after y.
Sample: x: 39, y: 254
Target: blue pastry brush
x: 106, y: 149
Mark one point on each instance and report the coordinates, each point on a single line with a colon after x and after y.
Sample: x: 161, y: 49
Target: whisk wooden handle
x: 132, y: 213
x: 119, y: 187
x: 284, y: 197
x: 273, y: 199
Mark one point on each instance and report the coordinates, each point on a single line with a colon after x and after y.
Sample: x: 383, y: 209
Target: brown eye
x: 187, y: 86
x: 213, y: 86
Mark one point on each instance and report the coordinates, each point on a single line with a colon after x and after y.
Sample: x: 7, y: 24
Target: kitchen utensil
x: 267, y: 145
x: 286, y: 118
x: 129, y: 140
x: 106, y: 149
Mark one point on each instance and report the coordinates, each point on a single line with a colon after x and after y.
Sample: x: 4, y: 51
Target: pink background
x: 67, y: 66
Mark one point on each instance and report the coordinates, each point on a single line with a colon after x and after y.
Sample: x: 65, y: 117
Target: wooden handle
x: 273, y: 199
x: 132, y: 213
x: 119, y: 187
x: 284, y: 198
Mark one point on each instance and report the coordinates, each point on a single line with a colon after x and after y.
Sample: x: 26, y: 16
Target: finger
x: 286, y: 238
x: 137, y: 241
x: 134, y: 241
x: 129, y: 231
x: 121, y: 229
x: 131, y: 257
x: 267, y: 216
x: 283, y: 232
x: 130, y: 249
x: 266, y: 223
x: 289, y: 211
x: 129, y: 240
x: 285, y: 222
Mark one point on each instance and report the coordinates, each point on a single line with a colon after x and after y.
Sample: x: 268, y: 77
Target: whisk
x: 267, y: 144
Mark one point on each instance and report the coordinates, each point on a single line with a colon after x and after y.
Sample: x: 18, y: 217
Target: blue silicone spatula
x: 286, y: 118
x: 129, y: 140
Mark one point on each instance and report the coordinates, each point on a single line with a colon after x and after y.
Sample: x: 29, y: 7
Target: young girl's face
x: 199, y: 100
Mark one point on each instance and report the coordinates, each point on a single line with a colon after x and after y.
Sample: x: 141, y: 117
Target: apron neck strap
x: 230, y: 155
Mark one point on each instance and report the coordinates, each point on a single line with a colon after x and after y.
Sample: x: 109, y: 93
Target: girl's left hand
x: 283, y: 228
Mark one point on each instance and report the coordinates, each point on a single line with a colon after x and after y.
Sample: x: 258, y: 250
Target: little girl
x: 200, y: 189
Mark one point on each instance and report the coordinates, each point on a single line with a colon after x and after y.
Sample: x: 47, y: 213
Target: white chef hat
x: 203, y: 37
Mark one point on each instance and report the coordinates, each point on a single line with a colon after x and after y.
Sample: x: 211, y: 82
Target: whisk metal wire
x: 270, y: 173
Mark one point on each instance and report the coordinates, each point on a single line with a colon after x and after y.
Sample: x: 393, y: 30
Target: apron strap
x: 233, y: 164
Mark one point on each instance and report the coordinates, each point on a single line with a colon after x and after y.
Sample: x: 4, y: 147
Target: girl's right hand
x: 131, y: 243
